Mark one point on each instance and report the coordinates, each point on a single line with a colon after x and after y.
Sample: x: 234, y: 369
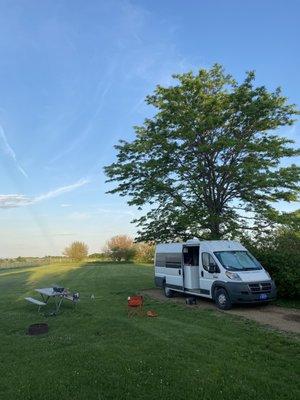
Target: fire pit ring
x: 38, y: 329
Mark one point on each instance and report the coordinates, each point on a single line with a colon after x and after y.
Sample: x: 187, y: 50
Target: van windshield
x: 237, y: 260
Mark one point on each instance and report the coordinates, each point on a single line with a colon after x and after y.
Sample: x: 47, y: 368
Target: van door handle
x: 179, y: 272
x: 202, y: 274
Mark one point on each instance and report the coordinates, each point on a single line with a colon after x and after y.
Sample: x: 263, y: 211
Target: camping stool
x: 135, y: 306
x: 190, y: 301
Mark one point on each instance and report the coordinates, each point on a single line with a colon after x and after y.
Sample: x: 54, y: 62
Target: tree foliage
x: 76, y: 251
x: 144, y: 252
x: 279, y: 254
x: 207, y: 164
x: 120, y: 248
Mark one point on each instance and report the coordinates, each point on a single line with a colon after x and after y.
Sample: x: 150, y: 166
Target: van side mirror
x: 212, y: 268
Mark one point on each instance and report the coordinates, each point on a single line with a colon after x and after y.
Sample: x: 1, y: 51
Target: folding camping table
x: 49, y: 292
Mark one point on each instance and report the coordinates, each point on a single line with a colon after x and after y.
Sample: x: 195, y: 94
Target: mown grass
x: 95, y: 352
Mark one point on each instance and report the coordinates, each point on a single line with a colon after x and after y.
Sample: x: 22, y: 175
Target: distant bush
x: 21, y: 259
x: 120, y: 248
x: 76, y: 251
x: 280, y: 255
x: 98, y: 256
x: 144, y: 252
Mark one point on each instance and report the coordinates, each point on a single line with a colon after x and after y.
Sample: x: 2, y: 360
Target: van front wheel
x: 222, y: 299
x: 168, y: 292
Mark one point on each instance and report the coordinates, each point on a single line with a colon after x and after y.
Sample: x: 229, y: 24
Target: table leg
x: 58, y: 304
x: 45, y: 299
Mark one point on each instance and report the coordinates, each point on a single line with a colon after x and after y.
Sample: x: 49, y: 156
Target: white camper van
x: 221, y: 270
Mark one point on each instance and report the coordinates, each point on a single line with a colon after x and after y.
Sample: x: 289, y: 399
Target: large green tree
x: 208, y: 163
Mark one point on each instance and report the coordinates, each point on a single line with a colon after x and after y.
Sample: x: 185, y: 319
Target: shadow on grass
x: 107, y: 262
x: 52, y: 274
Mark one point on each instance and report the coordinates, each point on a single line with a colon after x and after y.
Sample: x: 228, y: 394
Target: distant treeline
x: 21, y: 262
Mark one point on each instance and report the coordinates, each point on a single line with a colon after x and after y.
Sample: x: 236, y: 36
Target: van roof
x: 209, y: 245
x: 221, y: 245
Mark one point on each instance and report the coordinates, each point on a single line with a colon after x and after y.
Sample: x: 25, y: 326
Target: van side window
x: 207, y: 260
x: 168, y: 260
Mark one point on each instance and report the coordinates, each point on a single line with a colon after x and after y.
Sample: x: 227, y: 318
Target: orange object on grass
x: 152, y: 313
x: 135, y: 305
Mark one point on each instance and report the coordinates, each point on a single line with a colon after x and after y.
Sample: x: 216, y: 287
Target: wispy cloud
x: 79, y: 216
x: 19, y: 200
x: 14, y: 200
x: 7, y: 149
x: 114, y: 211
x: 63, y: 234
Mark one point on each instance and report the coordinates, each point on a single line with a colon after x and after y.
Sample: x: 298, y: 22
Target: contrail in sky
x: 19, y: 200
x: 10, y: 152
x: 61, y: 190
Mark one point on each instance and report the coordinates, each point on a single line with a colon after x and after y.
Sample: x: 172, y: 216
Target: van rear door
x: 174, y: 271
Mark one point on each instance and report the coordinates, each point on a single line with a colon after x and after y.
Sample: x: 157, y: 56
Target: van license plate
x: 263, y: 296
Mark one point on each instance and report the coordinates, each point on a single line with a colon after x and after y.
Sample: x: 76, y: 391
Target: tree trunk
x: 215, y: 232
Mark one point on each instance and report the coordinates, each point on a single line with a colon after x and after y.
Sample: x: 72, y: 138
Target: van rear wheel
x: 168, y: 292
x: 222, y: 299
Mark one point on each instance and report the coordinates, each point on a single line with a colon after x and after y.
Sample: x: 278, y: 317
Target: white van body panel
x: 173, y: 278
x: 191, y: 277
x: 253, y: 276
x: 169, y: 248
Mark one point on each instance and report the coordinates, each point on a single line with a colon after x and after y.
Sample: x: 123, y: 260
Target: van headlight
x: 233, y: 276
x: 268, y: 275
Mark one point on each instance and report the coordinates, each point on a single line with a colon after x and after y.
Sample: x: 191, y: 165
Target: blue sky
x: 73, y: 77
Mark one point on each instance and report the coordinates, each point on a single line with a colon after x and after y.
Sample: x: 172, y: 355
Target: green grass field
x: 95, y: 352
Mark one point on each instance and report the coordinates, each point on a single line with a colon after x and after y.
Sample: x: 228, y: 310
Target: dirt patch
x: 292, y: 317
x: 283, y: 319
